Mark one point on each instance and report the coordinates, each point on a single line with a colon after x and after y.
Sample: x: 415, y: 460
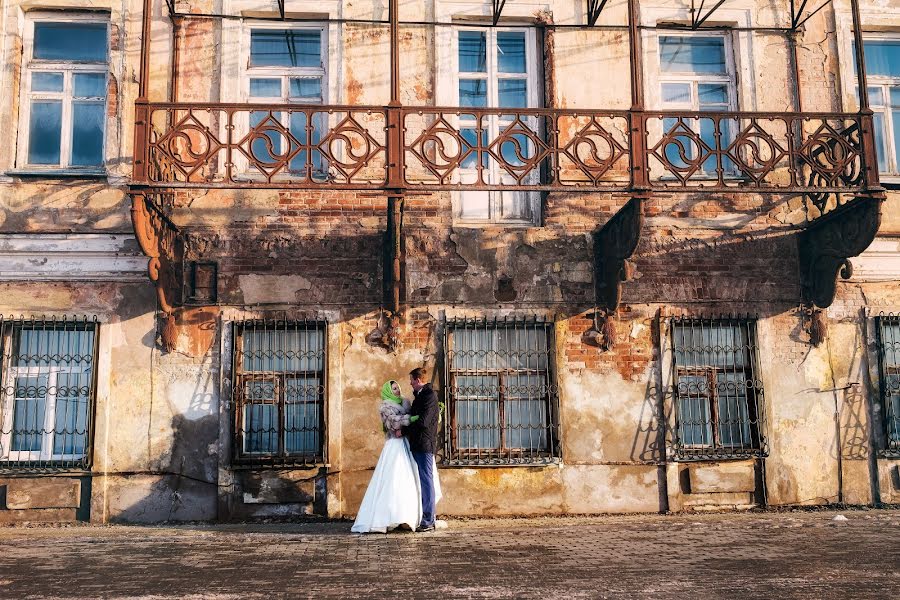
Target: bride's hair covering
x: 388, y: 395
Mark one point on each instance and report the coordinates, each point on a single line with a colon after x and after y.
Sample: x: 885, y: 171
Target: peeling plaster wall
x: 164, y: 425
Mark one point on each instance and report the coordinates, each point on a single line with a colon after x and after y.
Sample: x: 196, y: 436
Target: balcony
x: 551, y: 150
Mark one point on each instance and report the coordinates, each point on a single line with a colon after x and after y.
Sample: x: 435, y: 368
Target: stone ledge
x: 38, y: 515
x: 24, y: 494
x: 722, y: 478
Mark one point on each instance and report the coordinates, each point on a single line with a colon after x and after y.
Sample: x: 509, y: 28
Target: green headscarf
x: 388, y: 395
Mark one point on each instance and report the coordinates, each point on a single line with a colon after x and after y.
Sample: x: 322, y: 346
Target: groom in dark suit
x: 422, y: 435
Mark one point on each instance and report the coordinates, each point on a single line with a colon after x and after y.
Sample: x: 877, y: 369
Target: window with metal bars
x: 718, y: 394
x: 502, y: 400
x: 279, y: 392
x: 888, y: 330
x: 47, y: 394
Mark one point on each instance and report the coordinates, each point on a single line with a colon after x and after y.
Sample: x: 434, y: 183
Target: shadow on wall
x: 183, y: 488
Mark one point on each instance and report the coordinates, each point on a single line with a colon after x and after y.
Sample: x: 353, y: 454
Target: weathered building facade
x: 649, y: 252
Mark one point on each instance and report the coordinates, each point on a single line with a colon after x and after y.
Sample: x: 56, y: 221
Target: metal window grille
x: 503, y: 402
x: 719, y: 408
x: 279, y: 393
x: 48, y: 376
x: 888, y: 328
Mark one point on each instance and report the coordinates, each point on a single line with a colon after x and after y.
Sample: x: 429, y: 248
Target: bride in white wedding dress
x: 393, y: 497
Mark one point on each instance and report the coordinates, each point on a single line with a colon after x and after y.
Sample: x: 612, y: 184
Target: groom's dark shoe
x: 423, y: 528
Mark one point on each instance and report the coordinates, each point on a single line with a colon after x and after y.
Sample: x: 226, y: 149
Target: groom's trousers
x: 425, y: 462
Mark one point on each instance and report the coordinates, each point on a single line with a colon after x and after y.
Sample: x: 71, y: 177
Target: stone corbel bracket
x: 161, y: 242
x: 614, y: 243
x: 827, y: 244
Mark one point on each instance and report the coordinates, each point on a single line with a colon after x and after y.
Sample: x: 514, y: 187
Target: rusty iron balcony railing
x: 349, y: 147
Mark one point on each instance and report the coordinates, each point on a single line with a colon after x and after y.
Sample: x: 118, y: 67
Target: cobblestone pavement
x: 756, y: 555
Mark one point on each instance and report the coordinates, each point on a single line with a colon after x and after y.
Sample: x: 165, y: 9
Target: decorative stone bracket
x: 163, y: 244
x: 827, y: 244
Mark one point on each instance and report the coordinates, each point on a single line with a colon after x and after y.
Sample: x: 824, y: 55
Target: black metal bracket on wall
x: 828, y: 243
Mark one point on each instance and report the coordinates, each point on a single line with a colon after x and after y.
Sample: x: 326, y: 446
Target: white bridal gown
x: 394, y: 495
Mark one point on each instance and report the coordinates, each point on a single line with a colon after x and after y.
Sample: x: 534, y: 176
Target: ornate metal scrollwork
x: 830, y: 241
x: 614, y: 244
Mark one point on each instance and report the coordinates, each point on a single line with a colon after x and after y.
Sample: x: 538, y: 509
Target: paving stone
x: 803, y: 555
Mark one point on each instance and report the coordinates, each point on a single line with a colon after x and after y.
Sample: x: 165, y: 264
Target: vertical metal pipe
x: 636, y: 56
x: 144, y: 76
x: 867, y: 134
x: 640, y: 179
x: 858, y: 44
x: 394, y: 17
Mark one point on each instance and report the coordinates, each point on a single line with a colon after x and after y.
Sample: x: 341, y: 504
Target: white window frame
x: 494, y: 173
x: 49, y: 426
x: 694, y: 80
x: 884, y: 83
x: 248, y: 72
x: 31, y: 65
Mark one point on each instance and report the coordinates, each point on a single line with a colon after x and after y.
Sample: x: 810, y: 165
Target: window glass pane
x: 883, y: 57
x: 733, y: 417
x: 265, y: 88
x: 473, y: 92
x: 46, y: 82
x: 267, y: 149
x: 36, y: 347
x: 302, y: 416
x: 712, y: 93
x: 44, y: 132
x: 680, y: 147
x: 90, y: 85
x: 708, y: 135
x: 881, y: 141
x: 475, y: 205
x: 526, y: 412
x: 30, y: 404
x: 284, y: 350
x: 286, y: 48
x: 511, y: 51
x: 890, y: 342
x: 306, y: 88
x: 70, y: 41
x: 299, y: 131
x: 477, y: 412
x: 515, y: 206
x: 676, y: 93
x: 512, y: 93
x: 261, y: 428
x: 87, y: 133
x: 70, y: 428
x: 896, y: 119
x: 895, y: 97
x: 471, y: 137
x: 694, y: 425
x: 710, y: 345
x: 472, y: 52
x: 700, y: 54
x: 876, y: 98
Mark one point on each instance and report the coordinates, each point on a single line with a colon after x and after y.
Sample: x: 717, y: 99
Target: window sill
x: 495, y: 224
x: 725, y: 457
x: 891, y: 182
x: 278, y: 466
x: 26, y: 472
x: 499, y: 462
x: 59, y: 173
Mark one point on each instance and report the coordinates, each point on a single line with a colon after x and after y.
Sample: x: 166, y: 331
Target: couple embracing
x: 404, y: 487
